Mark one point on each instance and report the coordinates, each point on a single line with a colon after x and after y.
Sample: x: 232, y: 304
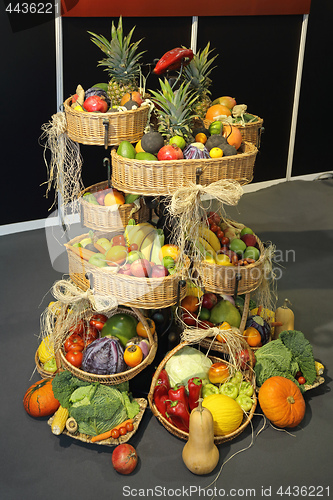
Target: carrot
x: 107, y: 434
x: 276, y: 323
x: 84, y: 253
x: 99, y: 248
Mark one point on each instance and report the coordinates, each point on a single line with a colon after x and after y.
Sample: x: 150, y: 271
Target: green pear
x: 225, y: 311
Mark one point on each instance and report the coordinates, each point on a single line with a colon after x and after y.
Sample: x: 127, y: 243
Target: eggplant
x: 261, y: 325
x: 104, y: 356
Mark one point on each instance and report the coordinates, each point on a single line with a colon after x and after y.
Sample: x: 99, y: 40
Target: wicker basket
x: 40, y: 369
x: 130, y: 291
x: 165, y: 177
x: 116, y: 378
x: 90, y: 128
x: 110, y: 441
x: 222, y: 279
x: 184, y: 435
x: 251, y: 132
x: 101, y: 218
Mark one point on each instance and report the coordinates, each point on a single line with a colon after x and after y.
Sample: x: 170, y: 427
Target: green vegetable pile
x: 286, y: 356
x: 96, y: 408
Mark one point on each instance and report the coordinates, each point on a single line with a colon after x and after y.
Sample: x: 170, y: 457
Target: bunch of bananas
x: 207, y: 243
x: 148, y: 239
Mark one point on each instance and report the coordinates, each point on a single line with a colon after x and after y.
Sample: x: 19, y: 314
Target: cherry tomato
x: 214, y: 217
x: 218, y: 372
x: 133, y: 355
x: 220, y: 234
x: 301, y: 380
x: 129, y: 426
x: 214, y: 228
x: 119, y: 240
x: 74, y: 343
x: 98, y: 320
x: 122, y: 431
x: 225, y: 241
x: 91, y: 334
x: 124, y: 458
x: 141, y: 330
x: 115, y: 433
x: 79, y: 327
x: 75, y: 358
x: 133, y: 247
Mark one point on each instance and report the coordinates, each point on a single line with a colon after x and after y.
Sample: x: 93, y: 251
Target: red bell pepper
x: 194, y: 391
x: 160, y: 397
x: 173, y: 59
x: 178, y: 414
x: 179, y: 394
x: 163, y: 378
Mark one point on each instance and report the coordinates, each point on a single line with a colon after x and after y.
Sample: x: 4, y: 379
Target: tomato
x: 133, y: 247
x: 133, y: 355
x: 215, y: 217
x: 122, y: 431
x: 220, y: 234
x: 301, y: 380
x: 91, y: 334
x: 189, y: 319
x: 119, y: 240
x: 218, y: 372
x: 190, y: 303
x: 74, y: 343
x: 75, y: 358
x: 252, y: 337
x: 98, y: 320
x: 124, y: 458
x: 225, y: 241
x: 243, y: 357
x: 79, y: 327
x: 129, y: 426
x: 115, y: 433
x: 141, y: 330
x: 214, y: 228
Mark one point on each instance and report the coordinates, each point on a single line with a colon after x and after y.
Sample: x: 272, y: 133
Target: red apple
x: 100, y: 195
x: 209, y: 300
x: 170, y: 152
x: 249, y: 240
x: 158, y: 271
x: 125, y: 269
x: 95, y: 103
x: 141, y: 268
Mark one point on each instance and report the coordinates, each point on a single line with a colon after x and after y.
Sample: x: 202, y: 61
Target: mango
x: 225, y: 311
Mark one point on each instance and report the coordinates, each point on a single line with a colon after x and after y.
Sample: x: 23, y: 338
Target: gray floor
x: 297, y: 217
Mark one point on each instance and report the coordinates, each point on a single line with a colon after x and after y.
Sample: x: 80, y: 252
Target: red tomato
x: 218, y: 373
x: 115, y: 433
x: 75, y: 358
x: 124, y: 458
x: 98, y: 320
x: 214, y: 217
x: 214, y: 228
x: 122, y: 431
x: 79, y: 327
x: 133, y: 247
x: 74, y: 343
x: 119, y: 240
x: 225, y: 241
x: 91, y: 334
x: 301, y: 380
x: 244, y: 357
x: 129, y: 426
x: 220, y: 234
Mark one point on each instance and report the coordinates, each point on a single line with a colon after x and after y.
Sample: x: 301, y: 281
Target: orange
x: 233, y: 135
x: 190, y: 303
x: 201, y: 137
x: 223, y: 326
x: 252, y: 337
x: 169, y: 251
x: 217, y: 110
x: 114, y: 197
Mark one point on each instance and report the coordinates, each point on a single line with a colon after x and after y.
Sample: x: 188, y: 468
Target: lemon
x: 216, y: 153
x: 222, y: 260
x: 45, y: 350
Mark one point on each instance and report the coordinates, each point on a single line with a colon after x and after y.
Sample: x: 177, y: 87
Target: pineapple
x: 196, y: 73
x: 175, y: 113
x: 121, y: 63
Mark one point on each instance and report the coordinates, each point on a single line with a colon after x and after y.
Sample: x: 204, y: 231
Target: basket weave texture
x: 116, y: 378
x: 40, y: 369
x: 177, y: 432
x: 251, y: 132
x: 156, y: 177
x: 102, y: 218
x: 130, y: 291
x: 222, y: 279
x: 88, y: 128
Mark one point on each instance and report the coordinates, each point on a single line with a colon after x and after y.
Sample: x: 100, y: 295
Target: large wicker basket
x: 130, y: 291
x: 223, y: 279
x: 165, y: 177
x: 107, y: 129
x: 179, y: 433
x: 251, y: 132
x: 102, y: 218
x: 116, y: 378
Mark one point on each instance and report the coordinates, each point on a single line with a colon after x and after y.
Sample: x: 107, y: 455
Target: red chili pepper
x: 194, y: 391
x: 160, y: 397
x: 179, y: 394
x: 163, y: 378
x: 178, y: 414
x: 173, y: 60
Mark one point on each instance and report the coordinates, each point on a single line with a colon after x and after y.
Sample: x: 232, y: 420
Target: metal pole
x: 59, y: 81
x: 194, y: 33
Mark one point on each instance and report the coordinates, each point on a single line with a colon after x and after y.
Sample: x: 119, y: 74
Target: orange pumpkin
x: 233, y: 135
x: 282, y: 402
x: 39, y: 400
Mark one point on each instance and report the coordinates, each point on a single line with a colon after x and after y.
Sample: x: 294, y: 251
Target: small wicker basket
x: 101, y: 218
x: 130, y: 291
x: 39, y: 367
x: 116, y: 378
x: 251, y: 132
x: 222, y: 279
x: 107, y: 129
x: 184, y: 435
x: 154, y: 178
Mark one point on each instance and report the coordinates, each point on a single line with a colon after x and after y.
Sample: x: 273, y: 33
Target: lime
x: 246, y: 230
x: 204, y: 314
x: 252, y: 253
x: 238, y: 246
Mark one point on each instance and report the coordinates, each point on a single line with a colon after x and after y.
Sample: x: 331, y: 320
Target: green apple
x: 178, y: 140
x: 102, y: 241
x: 77, y: 245
x: 238, y: 246
x: 50, y: 366
x: 246, y: 230
x: 85, y: 242
x: 98, y: 260
x: 252, y: 253
x: 134, y: 255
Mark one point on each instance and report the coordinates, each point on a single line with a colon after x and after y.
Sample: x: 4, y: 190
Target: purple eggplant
x: 261, y: 325
x: 104, y: 356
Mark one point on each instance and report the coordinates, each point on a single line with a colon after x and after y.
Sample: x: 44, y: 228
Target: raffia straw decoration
x: 266, y: 294
x: 64, y: 165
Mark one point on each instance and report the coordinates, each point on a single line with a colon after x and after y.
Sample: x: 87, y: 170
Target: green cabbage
x: 186, y: 363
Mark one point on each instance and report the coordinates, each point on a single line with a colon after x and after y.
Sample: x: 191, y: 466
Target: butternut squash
x: 285, y: 316
x: 200, y: 454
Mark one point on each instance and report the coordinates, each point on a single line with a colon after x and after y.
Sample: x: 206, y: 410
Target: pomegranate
x: 95, y: 103
x: 170, y: 152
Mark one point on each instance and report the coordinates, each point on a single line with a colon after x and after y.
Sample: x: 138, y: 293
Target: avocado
x: 225, y: 311
x: 145, y: 156
x: 126, y: 149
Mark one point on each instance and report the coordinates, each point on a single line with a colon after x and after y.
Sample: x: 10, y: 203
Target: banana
x: 157, y: 245
x: 132, y: 231
x: 140, y: 235
x: 207, y: 246
x: 209, y: 236
x: 147, y: 244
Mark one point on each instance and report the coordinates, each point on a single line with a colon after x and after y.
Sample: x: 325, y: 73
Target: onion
x: 229, y: 298
x: 145, y: 347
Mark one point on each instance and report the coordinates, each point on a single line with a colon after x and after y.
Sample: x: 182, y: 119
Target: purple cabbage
x: 104, y: 356
x: 192, y: 152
